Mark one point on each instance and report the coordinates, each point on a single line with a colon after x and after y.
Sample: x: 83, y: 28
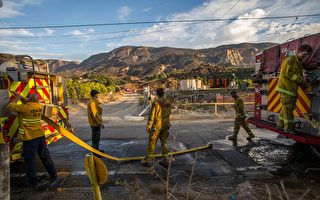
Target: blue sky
x: 78, y: 43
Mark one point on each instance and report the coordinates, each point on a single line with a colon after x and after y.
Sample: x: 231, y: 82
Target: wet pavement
x: 267, y: 166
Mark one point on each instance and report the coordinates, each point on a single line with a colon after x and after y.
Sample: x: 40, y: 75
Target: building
x: 191, y: 84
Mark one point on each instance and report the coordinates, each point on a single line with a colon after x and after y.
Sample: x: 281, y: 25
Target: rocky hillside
x: 61, y: 65
x: 148, y: 61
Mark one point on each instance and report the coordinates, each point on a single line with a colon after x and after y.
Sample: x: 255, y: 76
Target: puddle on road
x: 275, y: 154
x: 268, y: 149
x: 270, y: 155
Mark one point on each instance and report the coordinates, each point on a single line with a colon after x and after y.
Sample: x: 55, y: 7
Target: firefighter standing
x: 158, y: 126
x: 291, y: 75
x: 240, y: 119
x: 95, y: 118
x: 30, y: 130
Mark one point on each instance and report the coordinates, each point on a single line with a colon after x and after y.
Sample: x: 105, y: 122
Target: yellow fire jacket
x: 160, y: 114
x: 239, y: 107
x: 165, y: 105
x: 291, y: 75
x: 94, y: 111
x: 30, y: 125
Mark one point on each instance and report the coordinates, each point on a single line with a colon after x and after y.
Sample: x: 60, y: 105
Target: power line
x: 297, y: 16
x: 94, y: 33
x: 231, y: 8
x: 157, y: 22
x: 69, y: 35
x: 110, y: 38
x: 132, y: 34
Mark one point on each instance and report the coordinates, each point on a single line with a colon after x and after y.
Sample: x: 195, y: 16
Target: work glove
x: 20, y: 137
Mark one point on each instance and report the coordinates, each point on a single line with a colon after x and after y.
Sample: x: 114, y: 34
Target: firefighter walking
x: 240, y: 119
x: 30, y: 130
x: 158, y: 127
x: 291, y: 76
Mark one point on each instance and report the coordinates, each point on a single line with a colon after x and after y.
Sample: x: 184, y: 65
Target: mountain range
x: 141, y: 61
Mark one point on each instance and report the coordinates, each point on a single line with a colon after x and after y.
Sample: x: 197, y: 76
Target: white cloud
x: 17, y: 46
x: 49, y: 31
x: 14, y: 33
x: 41, y: 55
x: 281, y: 33
x: 9, y: 10
x: 183, y: 35
x: 210, y: 34
x: 77, y: 32
x: 6, y: 33
x: 242, y: 31
x: 13, y: 8
x: 123, y: 13
x: 146, y: 9
x: 85, y: 35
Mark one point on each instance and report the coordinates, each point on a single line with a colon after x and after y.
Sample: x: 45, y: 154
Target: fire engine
x: 267, y: 99
x: 24, y: 75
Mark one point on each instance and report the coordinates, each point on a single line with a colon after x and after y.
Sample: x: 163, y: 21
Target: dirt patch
x: 106, y: 98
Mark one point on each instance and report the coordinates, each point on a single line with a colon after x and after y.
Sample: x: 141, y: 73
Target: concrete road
x: 267, y: 166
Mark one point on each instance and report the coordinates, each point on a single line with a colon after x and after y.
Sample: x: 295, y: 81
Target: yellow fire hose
x: 97, y: 172
x: 78, y: 141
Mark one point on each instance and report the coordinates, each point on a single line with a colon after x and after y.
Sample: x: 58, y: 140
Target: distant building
x: 146, y: 90
x: 219, y: 82
x: 191, y: 84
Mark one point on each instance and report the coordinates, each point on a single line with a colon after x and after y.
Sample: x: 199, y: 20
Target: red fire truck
x: 267, y: 99
x: 22, y: 74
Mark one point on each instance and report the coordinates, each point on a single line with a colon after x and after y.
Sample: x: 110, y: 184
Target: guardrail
x: 216, y: 105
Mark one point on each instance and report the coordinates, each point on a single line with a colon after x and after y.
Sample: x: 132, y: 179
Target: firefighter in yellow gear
x: 158, y: 127
x: 32, y: 134
x: 240, y: 119
x: 94, y: 111
x: 291, y: 76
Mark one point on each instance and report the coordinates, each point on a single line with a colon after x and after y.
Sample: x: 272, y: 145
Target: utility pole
x: 4, y: 151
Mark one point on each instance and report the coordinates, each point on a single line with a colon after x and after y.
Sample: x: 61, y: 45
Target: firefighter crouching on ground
x: 240, y: 119
x: 95, y: 118
x: 291, y: 75
x: 30, y: 130
x: 158, y: 126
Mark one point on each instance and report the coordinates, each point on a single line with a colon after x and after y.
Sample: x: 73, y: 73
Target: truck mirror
x: 14, y: 75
